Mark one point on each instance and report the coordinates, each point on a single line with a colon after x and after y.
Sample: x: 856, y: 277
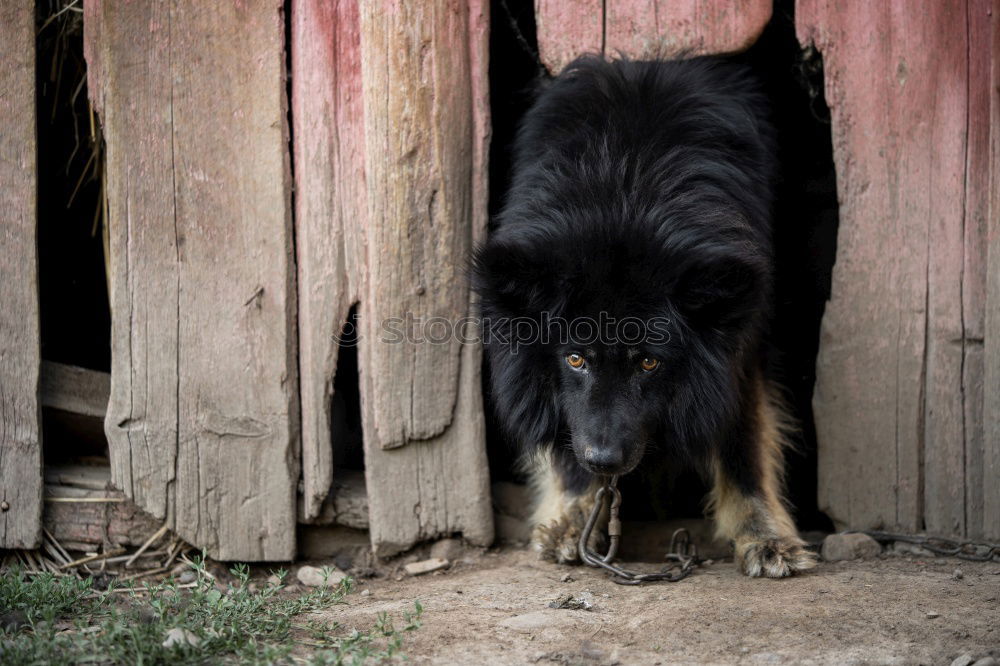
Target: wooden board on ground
x: 83, y: 511
x: 645, y: 28
x: 898, y: 392
x: 426, y: 120
x: 75, y: 390
x: 20, y: 444
x: 203, y: 418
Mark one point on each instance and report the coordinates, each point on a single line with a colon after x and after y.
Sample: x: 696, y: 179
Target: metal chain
x: 682, y: 557
x: 976, y: 551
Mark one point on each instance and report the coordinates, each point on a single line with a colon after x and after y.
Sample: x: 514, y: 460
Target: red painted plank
x: 889, y: 403
x: 331, y: 212
x: 991, y: 348
x: 645, y: 28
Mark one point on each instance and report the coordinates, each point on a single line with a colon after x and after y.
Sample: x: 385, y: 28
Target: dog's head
x: 614, y: 340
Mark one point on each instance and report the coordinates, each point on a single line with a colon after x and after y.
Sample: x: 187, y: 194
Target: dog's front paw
x: 773, y: 558
x: 558, y: 540
x: 557, y: 537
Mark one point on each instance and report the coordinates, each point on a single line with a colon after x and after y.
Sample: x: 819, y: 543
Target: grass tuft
x: 47, y: 619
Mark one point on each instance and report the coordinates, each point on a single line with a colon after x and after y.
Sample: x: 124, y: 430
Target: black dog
x: 625, y: 292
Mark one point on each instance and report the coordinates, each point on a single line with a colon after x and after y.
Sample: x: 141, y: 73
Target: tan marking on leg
x: 763, y: 533
x: 559, y: 515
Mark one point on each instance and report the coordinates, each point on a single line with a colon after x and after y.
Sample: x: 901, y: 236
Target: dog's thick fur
x: 641, y: 190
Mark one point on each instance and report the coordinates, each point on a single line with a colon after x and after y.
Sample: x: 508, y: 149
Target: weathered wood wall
x: 20, y: 444
x: 331, y: 211
x: 391, y: 124
x: 202, y: 422
x: 907, y: 368
x: 644, y: 28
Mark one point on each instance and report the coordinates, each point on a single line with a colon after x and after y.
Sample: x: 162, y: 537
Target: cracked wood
x: 899, y: 398
x: 20, y: 445
x: 202, y: 421
x: 645, y: 28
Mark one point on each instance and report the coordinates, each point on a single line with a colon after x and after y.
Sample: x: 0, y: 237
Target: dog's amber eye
x: 649, y: 364
x: 575, y: 361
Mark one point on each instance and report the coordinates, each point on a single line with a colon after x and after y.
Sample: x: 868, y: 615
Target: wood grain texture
x: 991, y: 350
x: 331, y: 210
x: 202, y: 422
x: 567, y: 29
x: 897, y: 392
x: 645, y: 28
x: 982, y: 95
x: 20, y: 443
x: 648, y: 27
x: 75, y: 390
x: 418, y: 131
x: 424, y: 73
x: 77, y: 517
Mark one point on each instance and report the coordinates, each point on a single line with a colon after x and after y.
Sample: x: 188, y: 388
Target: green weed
x: 61, y: 619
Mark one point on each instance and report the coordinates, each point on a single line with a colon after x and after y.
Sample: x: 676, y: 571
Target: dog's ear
x: 722, y: 289
x: 513, y: 277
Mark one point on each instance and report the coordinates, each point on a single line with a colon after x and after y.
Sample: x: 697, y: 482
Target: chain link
x: 681, y: 559
x: 975, y: 551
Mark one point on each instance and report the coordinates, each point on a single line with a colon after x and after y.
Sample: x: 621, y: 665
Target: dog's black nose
x: 604, y: 460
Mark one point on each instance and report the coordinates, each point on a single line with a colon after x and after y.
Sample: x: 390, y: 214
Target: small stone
x: 964, y: 660
x: 426, y: 566
x: 838, y: 547
x: 957, y: 574
x: 448, y: 549
x: 986, y: 661
x: 315, y: 577
x: 274, y: 579
x: 537, y: 621
x: 932, y: 614
x: 708, y: 563
x: 187, y: 577
x: 566, y: 578
x: 366, y: 593
x: 178, y: 636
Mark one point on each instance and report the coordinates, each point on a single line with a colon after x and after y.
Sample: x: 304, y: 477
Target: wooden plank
x: 977, y: 190
x: 330, y: 213
x: 418, y: 130
x: 888, y: 391
x: 642, y: 28
x: 203, y: 419
x: 424, y: 74
x: 20, y: 444
x: 645, y: 28
x: 991, y: 348
x: 568, y: 29
x: 945, y: 79
x: 75, y: 390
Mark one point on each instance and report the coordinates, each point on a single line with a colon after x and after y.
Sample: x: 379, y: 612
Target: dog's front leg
x: 748, y: 505
x: 563, y: 502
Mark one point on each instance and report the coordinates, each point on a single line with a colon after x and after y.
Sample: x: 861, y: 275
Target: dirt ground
x: 493, y: 608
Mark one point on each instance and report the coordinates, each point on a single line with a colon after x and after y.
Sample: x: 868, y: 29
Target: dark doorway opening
x: 73, y: 291
x: 345, y: 403
x: 806, y: 216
